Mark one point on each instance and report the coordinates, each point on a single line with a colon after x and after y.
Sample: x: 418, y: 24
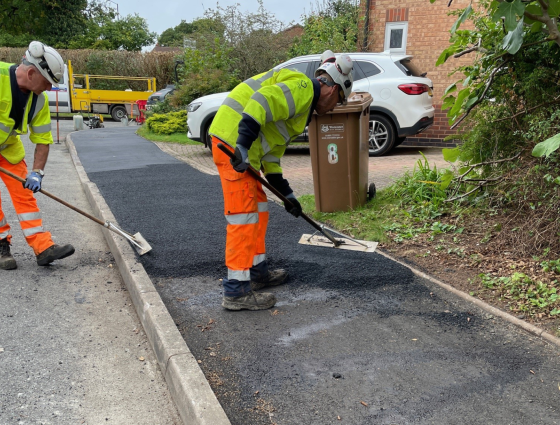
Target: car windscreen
x: 409, y: 68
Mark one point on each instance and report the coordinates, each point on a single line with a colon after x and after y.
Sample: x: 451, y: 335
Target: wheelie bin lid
x: 357, y: 102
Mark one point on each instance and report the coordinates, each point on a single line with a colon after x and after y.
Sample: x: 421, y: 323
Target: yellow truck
x: 96, y: 95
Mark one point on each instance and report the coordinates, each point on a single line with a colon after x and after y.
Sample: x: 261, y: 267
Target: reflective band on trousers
x: 30, y: 216
x: 33, y: 231
x: 4, y: 235
x: 3, y: 222
x: 257, y: 259
x: 249, y: 218
x: 241, y: 275
x: 263, y: 207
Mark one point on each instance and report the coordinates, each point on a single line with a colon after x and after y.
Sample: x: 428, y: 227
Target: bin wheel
x: 372, y: 191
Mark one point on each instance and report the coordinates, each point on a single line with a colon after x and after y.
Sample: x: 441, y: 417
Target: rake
x: 137, y: 240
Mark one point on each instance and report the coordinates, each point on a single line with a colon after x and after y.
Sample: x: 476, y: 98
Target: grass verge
x: 180, y: 138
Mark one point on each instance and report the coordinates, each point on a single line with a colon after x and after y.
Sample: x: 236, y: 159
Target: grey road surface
x: 72, y: 350
x: 354, y: 339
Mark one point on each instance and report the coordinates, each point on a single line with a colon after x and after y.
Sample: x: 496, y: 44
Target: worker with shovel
x: 23, y: 106
x: 258, y: 119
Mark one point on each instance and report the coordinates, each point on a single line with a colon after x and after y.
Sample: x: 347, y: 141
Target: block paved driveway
x: 354, y: 339
x: 297, y: 163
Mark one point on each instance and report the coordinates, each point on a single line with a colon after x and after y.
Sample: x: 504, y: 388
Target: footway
x: 354, y: 335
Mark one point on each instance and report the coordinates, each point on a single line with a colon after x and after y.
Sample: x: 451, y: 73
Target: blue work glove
x: 241, y: 162
x: 33, y: 181
x: 295, y: 210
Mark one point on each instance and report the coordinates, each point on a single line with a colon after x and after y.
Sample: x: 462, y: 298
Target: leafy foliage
x: 175, y: 36
x: 502, y: 30
x: 333, y: 25
x: 76, y: 24
x: 172, y: 122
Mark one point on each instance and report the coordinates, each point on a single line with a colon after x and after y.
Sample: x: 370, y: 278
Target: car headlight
x: 193, y: 106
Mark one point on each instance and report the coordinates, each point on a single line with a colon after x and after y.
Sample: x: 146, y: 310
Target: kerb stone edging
x: 484, y: 306
x: 193, y: 397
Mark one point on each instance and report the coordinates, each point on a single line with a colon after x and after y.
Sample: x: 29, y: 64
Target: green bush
x: 202, y: 84
x: 173, y: 122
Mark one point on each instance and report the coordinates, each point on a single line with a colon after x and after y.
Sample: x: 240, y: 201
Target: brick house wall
x: 428, y: 36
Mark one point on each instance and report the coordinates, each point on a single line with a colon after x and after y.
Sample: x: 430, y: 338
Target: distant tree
x: 106, y: 31
x: 332, y: 25
x: 50, y: 21
x: 256, y: 40
x: 79, y: 24
x: 173, y: 37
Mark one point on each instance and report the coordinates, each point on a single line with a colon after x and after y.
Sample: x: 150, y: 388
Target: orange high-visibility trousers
x: 246, y: 212
x: 25, y: 204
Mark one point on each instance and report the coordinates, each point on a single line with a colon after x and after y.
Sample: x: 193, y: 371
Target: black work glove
x: 240, y: 162
x: 295, y: 208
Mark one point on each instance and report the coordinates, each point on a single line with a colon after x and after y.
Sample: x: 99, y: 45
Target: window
x: 299, y: 66
x: 409, y: 68
x: 395, y: 36
x: 368, y: 68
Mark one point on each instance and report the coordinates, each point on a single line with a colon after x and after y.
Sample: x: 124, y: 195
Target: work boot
x: 55, y: 252
x: 249, y: 301
x: 274, y: 278
x: 7, y: 262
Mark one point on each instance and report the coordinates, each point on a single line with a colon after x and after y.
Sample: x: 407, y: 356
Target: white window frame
x: 389, y: 26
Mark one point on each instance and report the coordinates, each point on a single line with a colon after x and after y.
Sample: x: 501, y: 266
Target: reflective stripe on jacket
x: 279, y: 101
x: 11, y: 146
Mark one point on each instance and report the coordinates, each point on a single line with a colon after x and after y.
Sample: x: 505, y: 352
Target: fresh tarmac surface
x: 354, y: 339
x: 72, y: 349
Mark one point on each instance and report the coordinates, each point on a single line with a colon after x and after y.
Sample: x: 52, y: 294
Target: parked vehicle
x: 160, y: 95
x: 402, y: 98
x: 73, y: 97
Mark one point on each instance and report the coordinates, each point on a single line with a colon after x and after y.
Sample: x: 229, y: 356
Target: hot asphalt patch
x: 353, y: 335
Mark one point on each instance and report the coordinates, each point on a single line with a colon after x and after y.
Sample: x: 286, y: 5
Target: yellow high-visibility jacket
x: 280, y: 101
x: 11, y: 146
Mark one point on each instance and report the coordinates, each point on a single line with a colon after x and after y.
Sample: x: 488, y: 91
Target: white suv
x: 402, y: 98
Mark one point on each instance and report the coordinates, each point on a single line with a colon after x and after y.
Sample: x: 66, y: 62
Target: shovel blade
x: 141, y: 244
x: 318, y: 240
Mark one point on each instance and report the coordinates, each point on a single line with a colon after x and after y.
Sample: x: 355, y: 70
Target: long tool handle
x: 57, y: 199
x: 266, y: 184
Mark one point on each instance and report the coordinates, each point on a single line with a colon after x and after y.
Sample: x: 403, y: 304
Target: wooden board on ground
x: 348, y: 244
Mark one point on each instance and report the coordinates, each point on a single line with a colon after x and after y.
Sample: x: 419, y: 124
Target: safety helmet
x: 47, y: 60
x: 341, y: 73
x: 328, y: 56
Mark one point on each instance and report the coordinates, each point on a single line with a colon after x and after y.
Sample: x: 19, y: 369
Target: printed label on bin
x: 332, y: 152
x: 332, y: 131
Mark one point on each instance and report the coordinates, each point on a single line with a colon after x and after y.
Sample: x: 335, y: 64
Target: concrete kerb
x: 481, y: 304
x: 191, y: 392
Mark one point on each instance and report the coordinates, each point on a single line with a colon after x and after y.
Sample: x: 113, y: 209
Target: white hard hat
x: 47, y: 60
x: 341, y: 73
x: 328, y: 56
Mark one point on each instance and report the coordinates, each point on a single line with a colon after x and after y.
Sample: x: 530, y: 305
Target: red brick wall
x: 428, y: 36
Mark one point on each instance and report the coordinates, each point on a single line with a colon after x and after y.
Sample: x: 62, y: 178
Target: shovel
x: 310, y: 239
x: 141, y: 245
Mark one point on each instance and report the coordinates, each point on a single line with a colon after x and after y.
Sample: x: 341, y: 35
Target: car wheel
x: 118, y: 113
x: 206, y: 136
x: 381, y: 135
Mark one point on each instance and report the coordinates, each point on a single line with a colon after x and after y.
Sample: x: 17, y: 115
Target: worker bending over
x: 258, y: 119
x: 23, y: 106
